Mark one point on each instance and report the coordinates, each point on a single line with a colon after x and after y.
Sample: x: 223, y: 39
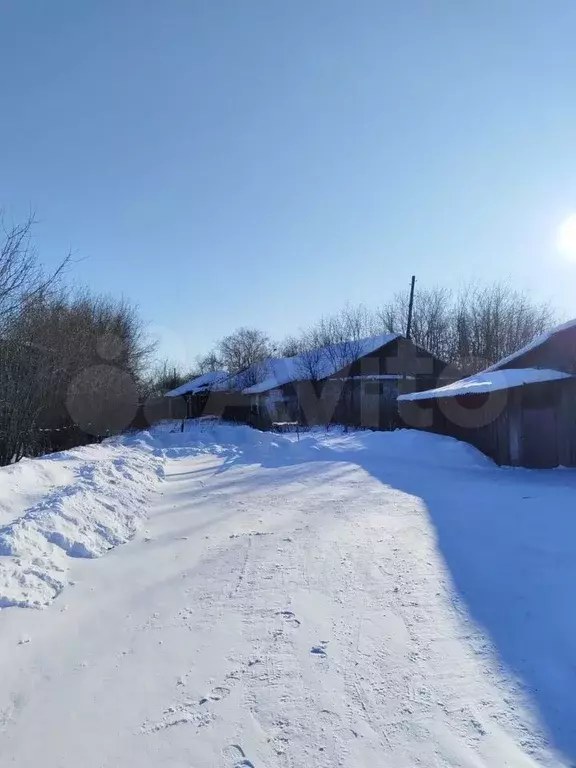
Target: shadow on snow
x: 508, y: 538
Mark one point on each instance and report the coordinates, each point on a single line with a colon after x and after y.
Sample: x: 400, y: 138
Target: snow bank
x: 100, y: 504
x: 405, y: 446
x: 26, y: 482
x: 96, y: 497
x: 410, y: 447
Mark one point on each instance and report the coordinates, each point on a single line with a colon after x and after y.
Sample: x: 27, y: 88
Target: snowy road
x: 289, y: 605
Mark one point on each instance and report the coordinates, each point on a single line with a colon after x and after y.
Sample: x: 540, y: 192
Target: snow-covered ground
x: 87, y: 501
x: 351, y: 600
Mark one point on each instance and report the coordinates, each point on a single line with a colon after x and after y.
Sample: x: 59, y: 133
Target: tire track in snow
x: 388, y: 676
x: 242, y: 572
x: 280, y: 700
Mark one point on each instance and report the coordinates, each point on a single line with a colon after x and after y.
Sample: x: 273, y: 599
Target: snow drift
x: 98, y: 507
x: 84, y: 502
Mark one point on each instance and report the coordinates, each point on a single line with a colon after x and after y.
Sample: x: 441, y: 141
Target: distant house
x: 203, y: 383
x: 354, y: 382
x: 520, y: 412
x: 197, y: 391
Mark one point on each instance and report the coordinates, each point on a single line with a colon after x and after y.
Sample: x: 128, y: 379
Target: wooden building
x: 354, y: 383
x: 520, y: 412
x: 198, y: 392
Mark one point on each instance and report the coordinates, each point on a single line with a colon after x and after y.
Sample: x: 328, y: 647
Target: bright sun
x: 566, y: 240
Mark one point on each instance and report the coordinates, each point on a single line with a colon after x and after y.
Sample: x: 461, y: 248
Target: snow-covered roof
x: 323, y: 363
x: 198, y: 384
x: 534, y: 344
x: 275, y: 373
x: 375, y: 377
x: 489, y: 381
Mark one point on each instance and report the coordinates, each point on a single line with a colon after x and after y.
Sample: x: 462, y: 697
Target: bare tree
x: 243, y: 348
x: 165, y: 376
x: 208, y: 363
x: 345, y: 332
x: 21, y: 399
x: 22, y: 366
x: 310, y: 364
x: 290, y: 346
x: 336, y: 340
x: 21, y: 277
x: 67, y: 363
x: 253, y: 374
x: 490, y: 322
x: 472, y: 328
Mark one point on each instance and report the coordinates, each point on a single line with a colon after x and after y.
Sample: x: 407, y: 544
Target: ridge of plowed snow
x: 100, y: 508
x: 101, y: 491
x: 402, y: 445
x: 25, y: 483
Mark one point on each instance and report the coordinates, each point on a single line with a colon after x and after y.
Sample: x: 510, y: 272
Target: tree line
x: 469, y: 328
x: 72, y: 363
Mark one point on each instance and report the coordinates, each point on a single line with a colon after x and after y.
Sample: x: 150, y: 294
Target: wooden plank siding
x: 348, y: 396
x: 401, y: 357
x: 531, y: 426
x: 567, y: 425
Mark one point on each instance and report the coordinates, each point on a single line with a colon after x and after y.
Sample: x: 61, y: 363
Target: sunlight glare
x: 566, y: 241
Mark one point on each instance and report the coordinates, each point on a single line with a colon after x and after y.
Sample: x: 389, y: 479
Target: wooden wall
x: 532, y: 426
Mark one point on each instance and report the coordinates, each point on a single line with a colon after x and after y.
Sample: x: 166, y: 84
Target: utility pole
x: 410, y: 308
x: 406, y: 344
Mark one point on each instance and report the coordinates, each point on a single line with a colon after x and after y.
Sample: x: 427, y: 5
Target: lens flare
x: 566, y: 240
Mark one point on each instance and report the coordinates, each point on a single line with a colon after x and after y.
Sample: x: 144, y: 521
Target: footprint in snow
x: 235, y: 753
x: 320, y: 650
x: 220, y: 693
x: 289, y: 618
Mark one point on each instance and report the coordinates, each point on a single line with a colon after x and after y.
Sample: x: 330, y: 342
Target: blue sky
x: 262, y: 162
